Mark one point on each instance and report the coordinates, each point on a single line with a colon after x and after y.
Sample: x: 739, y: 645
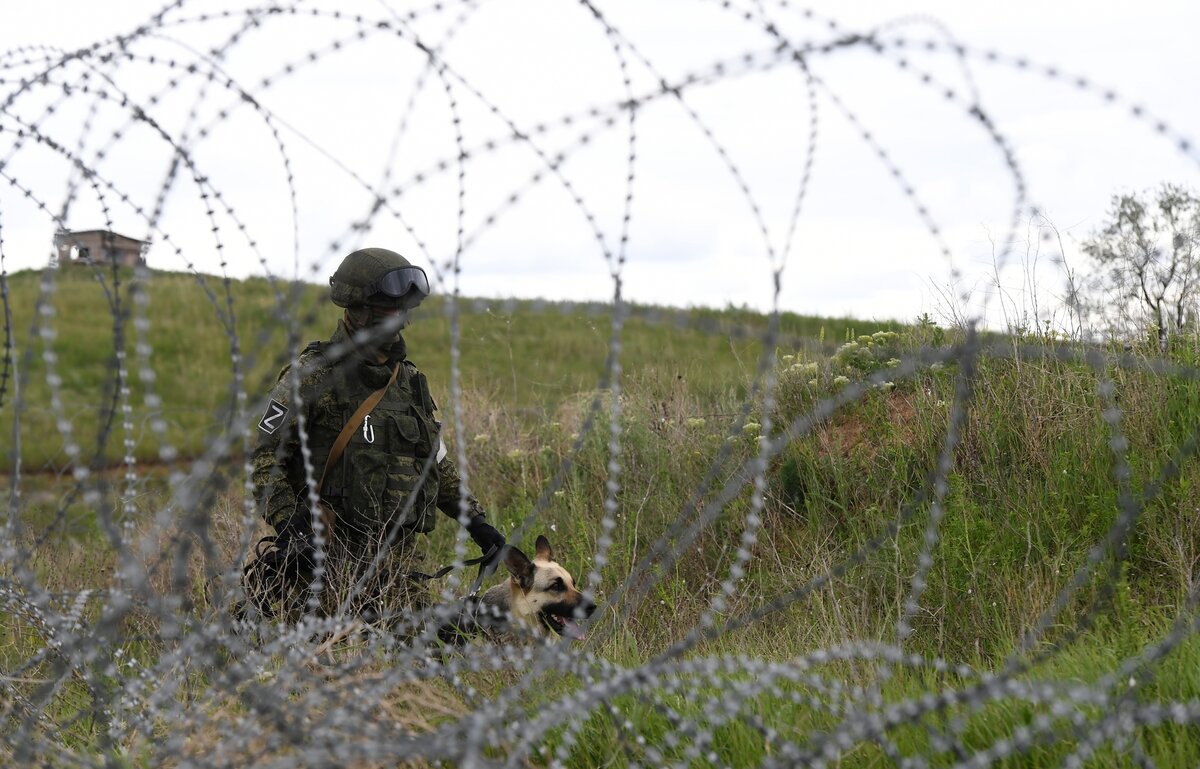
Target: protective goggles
x: 398, y: 284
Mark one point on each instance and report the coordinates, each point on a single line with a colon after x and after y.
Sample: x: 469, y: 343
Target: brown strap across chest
x: 328, y: 517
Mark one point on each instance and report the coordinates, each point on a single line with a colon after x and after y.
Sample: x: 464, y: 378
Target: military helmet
x: 378, y: 277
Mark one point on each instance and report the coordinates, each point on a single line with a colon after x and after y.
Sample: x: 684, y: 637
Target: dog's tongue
x: 572, y: 630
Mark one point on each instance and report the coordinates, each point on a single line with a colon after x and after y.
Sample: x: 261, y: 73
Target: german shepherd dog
x: 538, y: 599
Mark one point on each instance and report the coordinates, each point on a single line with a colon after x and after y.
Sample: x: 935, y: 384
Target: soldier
x: 351, y: 427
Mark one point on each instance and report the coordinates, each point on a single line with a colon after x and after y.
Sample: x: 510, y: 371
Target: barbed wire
x: 152, y: 664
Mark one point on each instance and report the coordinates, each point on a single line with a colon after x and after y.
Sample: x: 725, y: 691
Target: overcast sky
x: 354, y: 115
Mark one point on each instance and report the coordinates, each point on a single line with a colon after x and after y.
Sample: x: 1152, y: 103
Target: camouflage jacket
x: 393, y: 470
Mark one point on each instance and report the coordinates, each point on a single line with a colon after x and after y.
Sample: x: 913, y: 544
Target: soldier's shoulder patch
x: 273, y: 418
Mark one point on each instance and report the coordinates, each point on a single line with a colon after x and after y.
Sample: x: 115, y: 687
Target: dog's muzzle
x: 561, y: 619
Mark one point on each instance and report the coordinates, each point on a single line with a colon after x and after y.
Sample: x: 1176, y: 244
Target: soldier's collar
x: 395, y: 351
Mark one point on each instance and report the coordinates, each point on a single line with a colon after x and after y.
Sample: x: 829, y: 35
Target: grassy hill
x: 1048, y: 551
x: 207, y: 341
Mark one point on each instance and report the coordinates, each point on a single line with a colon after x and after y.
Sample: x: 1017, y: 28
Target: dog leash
x: 486, y: 562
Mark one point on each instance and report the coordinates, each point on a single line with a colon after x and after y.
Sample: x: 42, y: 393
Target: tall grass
x: 1030, y: 492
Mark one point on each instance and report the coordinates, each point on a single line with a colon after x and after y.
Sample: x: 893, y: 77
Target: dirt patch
x: 857, y: 432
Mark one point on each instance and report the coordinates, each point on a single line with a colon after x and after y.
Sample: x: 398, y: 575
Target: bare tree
x: 1148, y: 259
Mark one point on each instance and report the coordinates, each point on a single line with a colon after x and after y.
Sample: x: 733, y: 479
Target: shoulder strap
x: 339, y: 445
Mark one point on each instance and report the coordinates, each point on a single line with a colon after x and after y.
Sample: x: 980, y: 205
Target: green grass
x: 527, y: 358
x: 1030, y: 490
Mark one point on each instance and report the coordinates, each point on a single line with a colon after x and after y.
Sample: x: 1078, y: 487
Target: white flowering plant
x: 867, y: 354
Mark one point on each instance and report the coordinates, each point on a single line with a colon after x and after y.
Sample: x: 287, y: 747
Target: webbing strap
x: 339, y: 445
x: 486, y: 559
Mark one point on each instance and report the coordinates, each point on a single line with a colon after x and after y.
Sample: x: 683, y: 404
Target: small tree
x: 1148, y: 260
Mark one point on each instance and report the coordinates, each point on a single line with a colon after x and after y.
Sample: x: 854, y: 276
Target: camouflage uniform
x: 377, y: 482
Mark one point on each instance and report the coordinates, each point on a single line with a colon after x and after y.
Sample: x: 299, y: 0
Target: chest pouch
x: 345, y: 437
x: 390, y: 475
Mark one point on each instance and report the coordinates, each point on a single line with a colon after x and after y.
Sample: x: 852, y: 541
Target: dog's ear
x: 520, y: 567
x: 544, y: 552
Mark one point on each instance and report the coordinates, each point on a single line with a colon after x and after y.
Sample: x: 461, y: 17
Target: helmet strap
x: 356, y: 318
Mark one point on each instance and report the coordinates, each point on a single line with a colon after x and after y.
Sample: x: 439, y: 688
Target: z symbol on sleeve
x: 274, y: 417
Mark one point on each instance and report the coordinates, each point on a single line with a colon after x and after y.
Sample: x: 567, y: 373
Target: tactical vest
x: 378, y: 481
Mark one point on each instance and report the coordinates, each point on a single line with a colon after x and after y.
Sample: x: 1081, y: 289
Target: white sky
x: 859, y: 247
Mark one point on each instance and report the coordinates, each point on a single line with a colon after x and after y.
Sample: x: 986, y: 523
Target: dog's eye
x: 558, y: 585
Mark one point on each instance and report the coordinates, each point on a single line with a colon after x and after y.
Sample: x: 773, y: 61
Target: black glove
x: 283, y: 563
x: 293, y: 554
x: 485, y: 535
